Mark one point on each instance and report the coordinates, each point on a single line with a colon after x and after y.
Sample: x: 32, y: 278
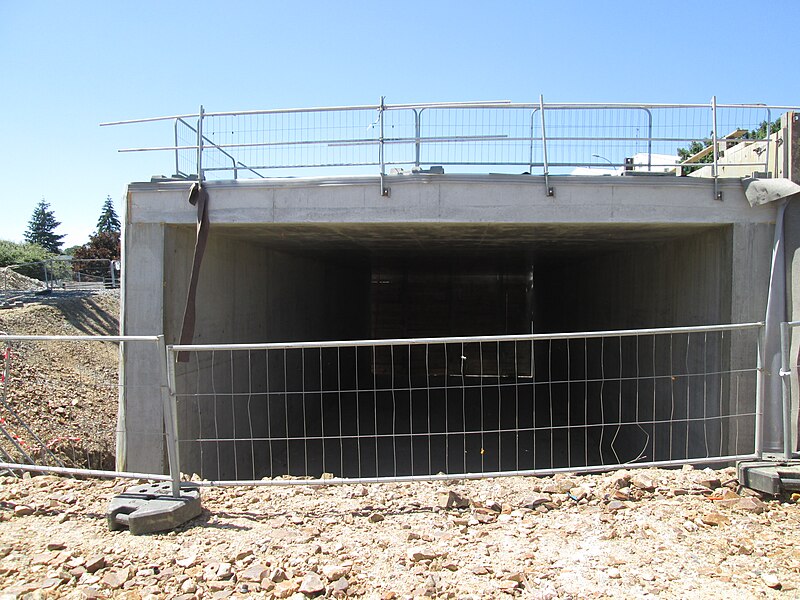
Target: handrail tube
x: 476, y: 104
x: 530, y: 337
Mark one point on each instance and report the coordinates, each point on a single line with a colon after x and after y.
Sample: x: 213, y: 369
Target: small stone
x: 286, y: 588
x: 752, y: 505
x: 95, y: 563
x: 242, y: 555
x: 711, y: 483
x: 376, y: 517
x: 615, y: 505
x: 359, y: 491
x: 508, y: 586
x: 450, y: 566
x: 312, y: 585
x: 643, y: 482
x: 480, y: 570
x: 715, y: 519
x: 56, y: 546
x: 613, y: 573
x: 224, y: 571
x: 335, y: 572
x: 451, y: 499
x: 253, y: 573
x: 187, y: 562
x: 339, y: 587
x: 23, y: 510
x: 278, y: 575
x: 622, y: 494
x: 116, y: 579
x: 417, y: 554
x: 189, y: 586
x: 536, y: 500
x: 771, y: 581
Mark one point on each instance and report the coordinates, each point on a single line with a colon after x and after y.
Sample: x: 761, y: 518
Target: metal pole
x: 530, y: 150
x: 649, y: 139
x: 715, y: 171
x: 548, y: 190
x: 200, y: 144
x: 384, y: 189
x: 786, y: 380
x: 177, y: 166
x: 759, y: 420
x: 766, y: 152
x: 170, y: 415
x: 417, y: 129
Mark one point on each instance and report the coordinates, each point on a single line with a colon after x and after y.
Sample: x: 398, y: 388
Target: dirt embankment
x: 62, y: 397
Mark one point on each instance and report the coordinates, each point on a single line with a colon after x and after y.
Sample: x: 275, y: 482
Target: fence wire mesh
x: 59, y: 399
x: 18, y: 282
x: 467, y: 406
x: 474, y: 137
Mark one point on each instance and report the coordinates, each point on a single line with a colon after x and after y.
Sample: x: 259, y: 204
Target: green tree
x: 12, y: 253
x: 108, y: 221
x: 761, y: 132
x: 41, y: 229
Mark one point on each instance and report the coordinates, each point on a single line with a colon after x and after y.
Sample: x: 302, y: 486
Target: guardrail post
x: 417, y: 133
x: 384, y: 190
x: 549, y: 190
x: 200, y: 144
x: 170, y: 415
x: 715, y: 168
x: 786, y: 381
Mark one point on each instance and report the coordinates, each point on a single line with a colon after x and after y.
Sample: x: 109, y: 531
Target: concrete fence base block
x: 152, y: 507
x: 770, y: 477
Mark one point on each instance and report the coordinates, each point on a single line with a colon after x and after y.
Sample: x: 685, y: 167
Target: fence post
x: 548, y: 190
x: 417, y: 132
x: 786, y: 381
x: 170, y: 415
x: 715, y: 171
x: 200, y: 144
x: 381, y: 157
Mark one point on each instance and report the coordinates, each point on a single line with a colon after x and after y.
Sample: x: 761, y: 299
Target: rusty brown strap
x: 198, y: 196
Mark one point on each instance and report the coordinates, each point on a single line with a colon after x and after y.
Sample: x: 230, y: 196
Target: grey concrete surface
x: 293, y: 259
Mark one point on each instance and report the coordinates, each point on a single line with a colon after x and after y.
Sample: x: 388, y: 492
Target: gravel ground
x: 681, y: 533
x: 636, y: 534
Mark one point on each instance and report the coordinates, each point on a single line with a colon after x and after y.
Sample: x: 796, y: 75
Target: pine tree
x: 41, y: 229
x: 108, y: 221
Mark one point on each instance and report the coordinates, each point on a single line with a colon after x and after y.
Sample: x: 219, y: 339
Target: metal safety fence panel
x: 541, y: 138
x: 59, y: 398
x: 62, y: 273
x: 466, y: 407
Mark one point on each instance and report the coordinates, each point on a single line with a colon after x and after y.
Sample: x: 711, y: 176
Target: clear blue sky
x: 67, y: 66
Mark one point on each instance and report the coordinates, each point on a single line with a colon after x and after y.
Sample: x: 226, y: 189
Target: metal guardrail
x: 533, y: 138
x: 413, y: 409
x: 467, y: 407
x: 62, y: 273
x: 46, y: 382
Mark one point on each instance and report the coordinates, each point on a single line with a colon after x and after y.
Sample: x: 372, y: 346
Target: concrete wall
x: 629, y: 264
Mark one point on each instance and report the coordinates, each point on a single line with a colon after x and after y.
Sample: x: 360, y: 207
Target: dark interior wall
x: 250, y: 293
x: 682, y: 282
x: 406, y: 410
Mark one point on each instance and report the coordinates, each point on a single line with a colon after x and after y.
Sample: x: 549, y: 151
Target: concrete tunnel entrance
x: 358, y: 412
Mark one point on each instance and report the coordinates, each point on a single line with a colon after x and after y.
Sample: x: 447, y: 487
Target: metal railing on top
x: 532, y: 138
